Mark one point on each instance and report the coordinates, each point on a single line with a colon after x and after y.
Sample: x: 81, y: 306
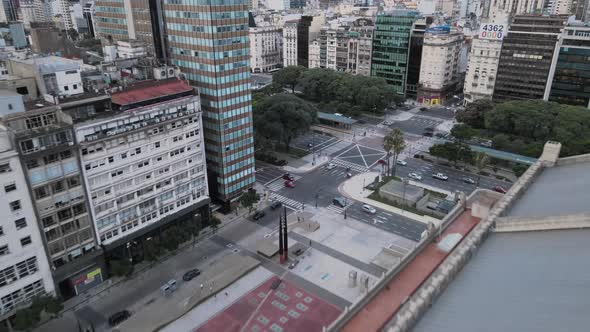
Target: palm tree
x: 388, y: 146
x: 398, y: 145
x: 481, y: 161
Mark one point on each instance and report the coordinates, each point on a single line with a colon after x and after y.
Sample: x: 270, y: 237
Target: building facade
x: 360, y: 50
x: 482, y: 69
x: 314, y: 54
x: 570, y: 70
x: 439, y: 71
x: 526, y: 57
x: 415, y: 59
x: 24, y: 270
x: 391, y: 46
x: 266, y: 49
x: 210, y: 44
x: 290, y: 44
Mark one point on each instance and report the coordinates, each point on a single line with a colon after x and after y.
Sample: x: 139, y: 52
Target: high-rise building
x: 581, y: 9
x: 210, y: 44
x: 570, y: 71
x: 360, y: 49
x: 290, y: 44
x: 439, y: 71
x: 314, y: 54
x: 297, y: 36
x: 24, y: 271
x: 266, y: 50
x: 415, y: 59
x: 526, y: 56
x: 391, y: 47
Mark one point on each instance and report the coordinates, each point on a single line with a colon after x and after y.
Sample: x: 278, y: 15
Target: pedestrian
x: 226, y: 294
x: 298, y: 219
x: 201, y: 287
x: 310, y: 243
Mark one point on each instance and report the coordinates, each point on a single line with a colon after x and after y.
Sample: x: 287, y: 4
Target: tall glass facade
x: 391, y: 45
x: 208, y: 40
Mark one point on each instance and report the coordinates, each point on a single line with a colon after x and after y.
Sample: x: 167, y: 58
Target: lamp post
x: 313, y: 148
x: 345, y: 205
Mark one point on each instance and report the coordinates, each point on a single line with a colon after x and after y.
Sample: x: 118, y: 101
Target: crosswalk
x: 279, y: 183
x: 347, y: 164
x: 335, y: 208
x: 291, y: 203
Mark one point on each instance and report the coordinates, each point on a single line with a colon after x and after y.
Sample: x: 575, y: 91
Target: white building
x: 314, y: 54
x: 290, y: 44
x: 439, y: 69
x: 481, y: 71
x: 560, y: 7
x: 131, y: 48
x: 144, y: 167
x: 360, y: 50
x: 24, y: 269
x: 266, y: 49
x: 66, y: 14
x: 28, y: 11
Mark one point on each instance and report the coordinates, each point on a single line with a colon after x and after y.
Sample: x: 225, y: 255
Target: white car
x: 440, y: 176
x: 331, y: 166
x: 402, y: 162
x: 369, y: 209
x: 415, y: 176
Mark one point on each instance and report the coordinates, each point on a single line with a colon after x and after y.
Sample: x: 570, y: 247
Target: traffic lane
x: 315, y: 139
x: 271, y: 217
x: 455, y: 181
x: 388, y: 221
x: 267, y: 174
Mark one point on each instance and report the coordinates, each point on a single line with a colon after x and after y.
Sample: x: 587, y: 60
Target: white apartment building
x: 145, y: 166
x: 290, y: 44
x: 560, y: 7
x: 481, y: 70
x: 360, y: 50
x: 266, y: 49
x: 331, y: 49
x: 439, y: 69
x: 24, y: 269
x: 28, y: 9
x: 314, y: 54
x: 131, y: 48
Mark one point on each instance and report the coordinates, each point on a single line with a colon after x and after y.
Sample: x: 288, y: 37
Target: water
x: 538, y: 281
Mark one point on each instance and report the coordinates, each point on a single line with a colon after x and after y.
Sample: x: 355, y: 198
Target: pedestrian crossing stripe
x: 350, y: 165
x: 277, y: 184
x: 286, y: 201
x: 335, y: 208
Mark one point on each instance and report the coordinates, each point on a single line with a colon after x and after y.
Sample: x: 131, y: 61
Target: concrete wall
x: 526, y: 224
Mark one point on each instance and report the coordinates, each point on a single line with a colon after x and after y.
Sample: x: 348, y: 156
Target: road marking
x: 389, y: 214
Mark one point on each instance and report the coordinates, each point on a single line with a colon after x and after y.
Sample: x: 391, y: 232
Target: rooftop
x: 335, y: 118
x: 149, y: 90
x: 51, y: 64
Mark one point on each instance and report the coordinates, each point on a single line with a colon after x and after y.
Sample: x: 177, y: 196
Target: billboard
x: 439, y: 30
x: 492, y: 31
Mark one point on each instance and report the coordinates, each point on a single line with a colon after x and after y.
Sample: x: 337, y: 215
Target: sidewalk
x: 353, y: 188
x: 308, y: 166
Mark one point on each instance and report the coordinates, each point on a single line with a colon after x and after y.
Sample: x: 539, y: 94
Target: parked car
x: 423, y: 109
x: 415, y: 176
x: 281, y: 162
x: 369, y: 209
x: 427, y: 134
x: 275, y: 205
x: 339, y: 201
x: 440, y: 176
x: 288, y: 176
x: 387, y: 123
x: 191, y: 274
x: 500, y: 189
x: 402, y: 162
x: 381, y: 162
x: 258, y: 215
x: 119, y: 317
x: 331, y: 166
x: 293, y: 264
x: 309, y: 145
x: 468, y: 180
x: 289, y: 184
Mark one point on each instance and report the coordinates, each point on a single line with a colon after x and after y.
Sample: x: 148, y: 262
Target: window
x: 25, y: 241
x: 20, y: 223
x: 58, y: 186
x: 5, y: 168
x: 10, y: 106
x: 4, y: 250
x: 41, y: 192
x: 1, y: 231
x: 157, y: 145
x: 9, y: 187
x: 75, y: 86
x: 66, y: 87
x: 15, y: 205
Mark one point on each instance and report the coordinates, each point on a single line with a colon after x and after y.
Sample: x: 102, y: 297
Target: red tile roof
x: 385, y: 304
x: 149, y: 90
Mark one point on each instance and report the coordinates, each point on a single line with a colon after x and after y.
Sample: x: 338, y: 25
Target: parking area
x: 416, y: 124
x: 358, y: 156
x: 318, y: 140
x: 267, y: 174
x: 388, y: 221
x: 370, y: 120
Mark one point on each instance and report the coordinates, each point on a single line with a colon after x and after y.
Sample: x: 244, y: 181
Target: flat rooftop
x: 556, y: 191
x: 149, y: 90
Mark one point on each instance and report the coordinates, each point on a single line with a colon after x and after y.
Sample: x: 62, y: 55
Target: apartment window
x: 10, y: 106
x: 41, y: 192
x: 9, y: 187
x: 15, y: 205
x: 58, y: 186
x: 73, y: 182
x: 79, y: 209
x: 27, y: 267
x: 1, y: 231
x: 47, y: 221
x: 25, y: 241
x: 111, y: 159
x: 4, y: 250
x: 75, y: 86
x: 5, y: 168
x: 123, y: 155
x: 66, y: 87
x: 20, y: 223
x: 157, y: 144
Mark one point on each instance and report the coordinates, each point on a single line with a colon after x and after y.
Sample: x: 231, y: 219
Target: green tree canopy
x: 463, y: 132
x: 288, y: 77
x: 474, y: 113
x: 248, y: 199
x: 283, y: 117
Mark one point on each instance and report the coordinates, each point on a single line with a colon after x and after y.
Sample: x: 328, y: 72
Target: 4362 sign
x: 492, y: 31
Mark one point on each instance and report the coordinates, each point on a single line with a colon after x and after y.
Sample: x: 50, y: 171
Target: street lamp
x: 345, y: 205
x: 313, y: 147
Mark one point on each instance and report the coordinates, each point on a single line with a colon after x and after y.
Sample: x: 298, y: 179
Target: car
x: 331, y: 166
x: 119, y: 317
x: 369, y: 209
x: 468, y: 180
x: 275, y: 205
x: 423, y: 109
x: 258, y: 215
x: 281, y: 162
x: 439, y: 135
x: 288, y: 176
x: 387, y: 123
x: 191, y: 274
x: 427, y: 134
x: 500, y: 189
x: 289, y: 184
x: 309, y: 145
x: 440, y: 176
x: 381, y: 162
x: 339, y: 201
x: 415, y: 176
x: 402, y: 162
x: 293, y: 264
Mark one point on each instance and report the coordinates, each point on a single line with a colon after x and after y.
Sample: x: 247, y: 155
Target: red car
x: 288, y: 177
x: 289, y: 184
x: 500, y: 189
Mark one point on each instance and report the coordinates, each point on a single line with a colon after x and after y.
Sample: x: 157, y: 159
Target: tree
x: 151, y: 249
x: 481, y: 161
x: 73, y: 34
x: 215, y: 222
x: 283, y: 117
x: 248, y: 199
x: 398, y: 144
x: 288, y: 77
x: 463, y: 132
x: 474, y: 113
x: 25, y: 319
x: 388, y: 147
x: 121, y: 267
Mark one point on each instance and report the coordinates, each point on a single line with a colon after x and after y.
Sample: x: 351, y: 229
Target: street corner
x: 354, y: 187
